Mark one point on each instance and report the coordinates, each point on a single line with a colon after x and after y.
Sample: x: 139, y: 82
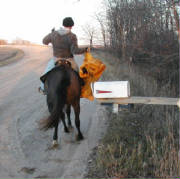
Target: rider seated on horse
x: 65, y: 45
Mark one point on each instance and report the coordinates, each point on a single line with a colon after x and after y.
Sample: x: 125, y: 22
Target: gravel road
x: 24, y: 149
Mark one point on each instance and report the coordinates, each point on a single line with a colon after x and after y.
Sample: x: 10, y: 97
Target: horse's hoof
x: 79, y: 137
x: 55, y: 144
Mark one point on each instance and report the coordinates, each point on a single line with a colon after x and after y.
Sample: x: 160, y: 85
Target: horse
x: 63, y: 86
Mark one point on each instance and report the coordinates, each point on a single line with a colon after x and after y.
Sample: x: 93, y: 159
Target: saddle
x: 63, y: 62
x: 74, y: 66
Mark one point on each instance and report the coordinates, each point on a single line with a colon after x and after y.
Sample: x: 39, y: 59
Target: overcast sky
x: 33, y: 19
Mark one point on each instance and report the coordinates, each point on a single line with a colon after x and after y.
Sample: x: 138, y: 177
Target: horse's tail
x: 56, y: 106
x: 52, y: 120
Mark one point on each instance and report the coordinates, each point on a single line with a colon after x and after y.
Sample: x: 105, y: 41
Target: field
x: 9, y: 55
x: 142, y: 142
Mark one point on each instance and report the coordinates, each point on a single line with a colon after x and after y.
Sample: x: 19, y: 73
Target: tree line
x: 148, y: 26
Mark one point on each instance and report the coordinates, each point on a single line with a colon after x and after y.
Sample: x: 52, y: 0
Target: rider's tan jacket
x: 64, y: 43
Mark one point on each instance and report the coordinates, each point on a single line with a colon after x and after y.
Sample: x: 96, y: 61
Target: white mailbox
x: 111, y: 89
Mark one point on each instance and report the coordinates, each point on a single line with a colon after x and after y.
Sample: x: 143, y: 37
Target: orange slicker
x: 90, y: 71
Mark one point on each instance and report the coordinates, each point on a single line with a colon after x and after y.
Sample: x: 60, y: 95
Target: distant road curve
x: 9, y: 54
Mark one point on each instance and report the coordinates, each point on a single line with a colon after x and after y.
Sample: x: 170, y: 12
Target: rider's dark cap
x: 68, y: 22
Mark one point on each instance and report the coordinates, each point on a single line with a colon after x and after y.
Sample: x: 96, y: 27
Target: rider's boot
x: 42, y: 91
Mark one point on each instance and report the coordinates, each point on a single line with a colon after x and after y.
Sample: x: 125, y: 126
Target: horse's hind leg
x: 68, y: 112
x: 55, y: 136
x: 76, y: 107
x: 64, y: 122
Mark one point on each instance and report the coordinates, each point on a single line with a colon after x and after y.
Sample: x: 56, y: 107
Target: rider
x: 64, y: 44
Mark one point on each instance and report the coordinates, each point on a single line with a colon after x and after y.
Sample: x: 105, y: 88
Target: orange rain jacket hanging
x: 90, y: 71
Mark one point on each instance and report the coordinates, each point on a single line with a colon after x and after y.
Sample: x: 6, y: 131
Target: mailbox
x: 111, y: 89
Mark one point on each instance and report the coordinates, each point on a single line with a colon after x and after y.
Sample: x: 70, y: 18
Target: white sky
x: 33, y: 19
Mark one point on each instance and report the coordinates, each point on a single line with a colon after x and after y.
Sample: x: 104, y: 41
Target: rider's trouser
x: 51, y: 65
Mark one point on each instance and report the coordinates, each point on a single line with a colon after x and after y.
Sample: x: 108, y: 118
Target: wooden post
x: 141, y: 100
x: 115, y: 108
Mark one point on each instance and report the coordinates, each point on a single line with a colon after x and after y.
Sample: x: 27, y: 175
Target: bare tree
x: 89, y: 32
x: 102, y: 22
x: 176, y: 16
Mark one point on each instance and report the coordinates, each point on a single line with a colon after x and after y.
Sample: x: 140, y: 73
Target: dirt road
x: 24, y: 149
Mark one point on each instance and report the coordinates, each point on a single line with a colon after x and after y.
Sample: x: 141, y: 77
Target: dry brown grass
x: 128, y: 151
x: 9, y: 55
x: 143, y: 143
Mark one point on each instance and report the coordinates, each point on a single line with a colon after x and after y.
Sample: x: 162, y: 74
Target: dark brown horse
x: 63, y: 88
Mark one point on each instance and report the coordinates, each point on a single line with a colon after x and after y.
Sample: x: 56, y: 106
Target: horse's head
x: 63, y: 63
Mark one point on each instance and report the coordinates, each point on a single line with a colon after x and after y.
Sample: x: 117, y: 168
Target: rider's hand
x: 87, y: 49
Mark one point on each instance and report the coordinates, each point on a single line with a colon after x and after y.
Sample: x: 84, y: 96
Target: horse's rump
x: 74, y: 88
x: 63, y: 88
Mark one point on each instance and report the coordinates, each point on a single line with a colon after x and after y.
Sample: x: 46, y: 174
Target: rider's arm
x: 47, y: 39
x: 74, y: 46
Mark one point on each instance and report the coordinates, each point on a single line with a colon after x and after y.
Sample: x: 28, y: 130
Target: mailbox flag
x: 111, y: 89
x: 102, y: 91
